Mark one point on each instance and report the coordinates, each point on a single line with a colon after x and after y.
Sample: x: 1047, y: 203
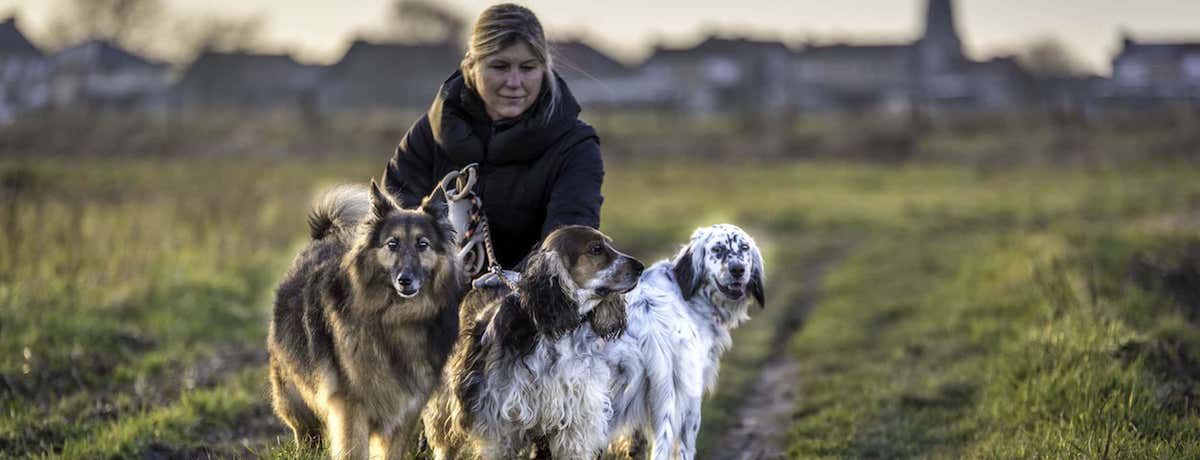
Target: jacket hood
x: 458, y: 113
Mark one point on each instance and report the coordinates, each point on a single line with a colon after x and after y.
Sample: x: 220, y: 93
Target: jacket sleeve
x: 575, y: 195
x: 409, y: 176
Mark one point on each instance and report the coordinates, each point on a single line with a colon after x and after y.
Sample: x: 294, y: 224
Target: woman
x: 506, y: 109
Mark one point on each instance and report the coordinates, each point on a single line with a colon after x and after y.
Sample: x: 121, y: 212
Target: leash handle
x: 463, y: 179
x: 457, y: 186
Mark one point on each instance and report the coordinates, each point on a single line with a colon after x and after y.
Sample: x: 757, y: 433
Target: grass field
x: 1016, y: 312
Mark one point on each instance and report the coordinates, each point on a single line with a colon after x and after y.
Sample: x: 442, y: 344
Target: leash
x: 476, y: 224
x: 495, y: 267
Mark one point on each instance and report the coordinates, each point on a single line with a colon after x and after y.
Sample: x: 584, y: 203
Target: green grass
x: 1011, y: 324
x: 969, y: 312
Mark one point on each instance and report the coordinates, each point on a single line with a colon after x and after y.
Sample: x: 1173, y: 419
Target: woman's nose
x: 513, y: 80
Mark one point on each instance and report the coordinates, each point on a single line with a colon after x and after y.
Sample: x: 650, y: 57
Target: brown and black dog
x: 364, y: 321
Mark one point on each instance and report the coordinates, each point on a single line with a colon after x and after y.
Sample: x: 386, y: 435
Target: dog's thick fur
x: 679, y: 320
x: 526, y: 367
x: 364, y: 321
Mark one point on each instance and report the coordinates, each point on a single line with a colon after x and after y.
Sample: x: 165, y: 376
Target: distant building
x: 98, y: 74
x: 596, y: 79
x: 721, y: 74
x: 1157, y: 71
x: 931, y: 73
x: 853, y: 77
x: 24, y: 74
x: 576, y: 60
x: 946, y: 78
x: 387, y: 76
x: 1081, y: 95
x: 247, y: 81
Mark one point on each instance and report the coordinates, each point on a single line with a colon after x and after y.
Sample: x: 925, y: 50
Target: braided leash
x: 494, y: 267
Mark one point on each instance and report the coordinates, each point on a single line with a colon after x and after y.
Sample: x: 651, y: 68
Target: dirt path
x: 765, y: 415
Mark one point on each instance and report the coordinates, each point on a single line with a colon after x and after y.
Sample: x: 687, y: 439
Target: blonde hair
x: 499, y: 27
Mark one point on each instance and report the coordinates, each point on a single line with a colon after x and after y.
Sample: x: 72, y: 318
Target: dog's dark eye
x: 744, y: 247
x: 422, y: 244
x: 393, y: 243
x: 595, y: 249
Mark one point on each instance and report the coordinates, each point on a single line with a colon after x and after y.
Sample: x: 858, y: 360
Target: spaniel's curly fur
x: 527, y: 366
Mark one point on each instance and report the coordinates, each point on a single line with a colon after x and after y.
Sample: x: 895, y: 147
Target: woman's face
x: 509, y: 81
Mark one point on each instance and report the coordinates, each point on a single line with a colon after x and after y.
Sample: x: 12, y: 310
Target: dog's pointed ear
x: 436, y: 205
x: 689, y: 268
x: 381, y: 205
x: 544, y: 296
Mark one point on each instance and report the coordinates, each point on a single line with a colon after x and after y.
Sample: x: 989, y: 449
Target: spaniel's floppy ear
x: 689, y: 267
x: 546, y: 294
x: 608, y: 318
x: 381, y: 205
x: 512, y: 328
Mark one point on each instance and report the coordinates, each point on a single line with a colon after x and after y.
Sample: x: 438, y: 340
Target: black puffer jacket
x: 535, y: 173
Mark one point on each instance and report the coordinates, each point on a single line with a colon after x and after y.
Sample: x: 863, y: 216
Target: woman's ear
x: 689, y: 268
x: 546, y: 297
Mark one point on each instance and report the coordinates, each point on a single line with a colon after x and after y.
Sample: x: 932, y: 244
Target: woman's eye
x: 528, y: 68
x: 393, y: 244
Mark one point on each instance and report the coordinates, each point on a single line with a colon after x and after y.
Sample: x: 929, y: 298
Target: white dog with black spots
x: 679, y: 319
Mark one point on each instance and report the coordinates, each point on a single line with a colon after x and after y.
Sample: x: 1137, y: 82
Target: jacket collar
x: 457, y: 117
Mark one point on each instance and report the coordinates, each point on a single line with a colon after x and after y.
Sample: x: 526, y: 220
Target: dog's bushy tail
x: 338, y: 211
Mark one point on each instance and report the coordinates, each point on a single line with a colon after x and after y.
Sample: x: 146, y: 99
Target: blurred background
x: 164, y: 67
x: 981, y: 219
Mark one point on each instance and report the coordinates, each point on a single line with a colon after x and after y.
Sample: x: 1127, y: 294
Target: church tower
x: 939, y: 48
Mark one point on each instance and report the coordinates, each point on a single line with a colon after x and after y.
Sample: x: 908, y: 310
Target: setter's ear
x: 756, y: 285
x: 546, y: 295
x: 689, y: 267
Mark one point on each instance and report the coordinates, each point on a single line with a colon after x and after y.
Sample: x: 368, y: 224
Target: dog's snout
x: 737, y: 269
x: 404, y: 280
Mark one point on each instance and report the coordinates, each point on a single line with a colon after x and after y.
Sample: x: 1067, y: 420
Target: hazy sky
x: 321, y: 29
